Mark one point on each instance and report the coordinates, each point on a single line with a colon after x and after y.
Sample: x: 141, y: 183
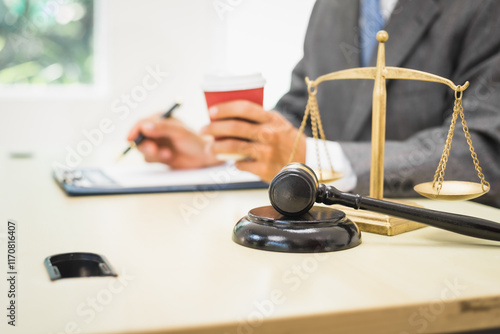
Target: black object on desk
x: 320, y: 229
x: 71, y: 265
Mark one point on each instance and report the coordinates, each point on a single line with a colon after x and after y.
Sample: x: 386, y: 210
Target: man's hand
x: 265, y: 137
x: 170, y: 142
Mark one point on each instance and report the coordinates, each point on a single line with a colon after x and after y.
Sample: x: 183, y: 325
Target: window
x: 47, y: 42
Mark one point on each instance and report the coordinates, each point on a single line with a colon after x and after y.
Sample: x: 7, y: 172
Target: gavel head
x: 293, y: 190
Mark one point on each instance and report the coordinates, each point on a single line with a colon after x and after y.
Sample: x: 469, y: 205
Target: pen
x: 134, y: 143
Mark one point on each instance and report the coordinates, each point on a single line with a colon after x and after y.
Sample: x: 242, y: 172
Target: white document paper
x: 156, y: 174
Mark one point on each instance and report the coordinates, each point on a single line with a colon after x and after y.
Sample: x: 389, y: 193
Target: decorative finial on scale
x: 382, y: 36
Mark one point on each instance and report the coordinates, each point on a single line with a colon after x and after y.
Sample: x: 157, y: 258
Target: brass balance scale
x: 436, y: 189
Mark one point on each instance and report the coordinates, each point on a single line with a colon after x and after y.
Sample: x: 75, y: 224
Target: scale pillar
x: 378, y: 122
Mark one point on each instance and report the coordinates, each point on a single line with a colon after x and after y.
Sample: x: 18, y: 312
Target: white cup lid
x: 221, y: 81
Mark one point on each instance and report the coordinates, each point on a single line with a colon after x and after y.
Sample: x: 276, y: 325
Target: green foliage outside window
x: 46, y: 42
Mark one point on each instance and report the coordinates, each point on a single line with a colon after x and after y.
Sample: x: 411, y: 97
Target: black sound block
x: 321, y: 229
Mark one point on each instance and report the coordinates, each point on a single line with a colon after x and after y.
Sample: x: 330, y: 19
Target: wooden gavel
x: 295, y: 189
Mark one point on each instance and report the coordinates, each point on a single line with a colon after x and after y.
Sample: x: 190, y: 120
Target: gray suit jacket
x: 459, y: 40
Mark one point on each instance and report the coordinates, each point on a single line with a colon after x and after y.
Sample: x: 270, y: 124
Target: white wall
x: 181, y: 37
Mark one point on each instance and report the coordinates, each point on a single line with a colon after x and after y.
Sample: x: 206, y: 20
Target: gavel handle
x: 466, y: 225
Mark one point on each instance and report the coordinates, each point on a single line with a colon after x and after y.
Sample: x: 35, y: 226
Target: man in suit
x: 454, y: 39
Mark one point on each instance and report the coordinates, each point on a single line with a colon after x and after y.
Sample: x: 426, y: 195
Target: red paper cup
x: 255, y: 95
x: 220, y: 88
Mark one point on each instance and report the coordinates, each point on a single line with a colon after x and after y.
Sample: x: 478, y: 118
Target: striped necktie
x: 371, y: 21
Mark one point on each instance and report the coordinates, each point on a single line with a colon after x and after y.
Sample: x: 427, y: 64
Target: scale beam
x: 408, y: 74
x: 389, y: 72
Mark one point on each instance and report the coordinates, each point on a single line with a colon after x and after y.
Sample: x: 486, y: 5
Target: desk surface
x: 179, y: 270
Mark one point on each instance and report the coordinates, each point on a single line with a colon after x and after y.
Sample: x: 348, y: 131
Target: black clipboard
x: 85, y: 181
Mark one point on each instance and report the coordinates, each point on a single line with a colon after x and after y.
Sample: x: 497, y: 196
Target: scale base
x: 322, y: 229
x: 379, y: 223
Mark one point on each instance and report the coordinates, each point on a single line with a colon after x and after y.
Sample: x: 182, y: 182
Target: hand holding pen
x: 171, y: 142
x: 140, y: 137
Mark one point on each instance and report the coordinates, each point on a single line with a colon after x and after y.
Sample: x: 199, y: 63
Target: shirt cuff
x: 339, y: 161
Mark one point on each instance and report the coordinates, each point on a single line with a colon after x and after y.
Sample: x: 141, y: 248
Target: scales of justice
x: 292, y: 224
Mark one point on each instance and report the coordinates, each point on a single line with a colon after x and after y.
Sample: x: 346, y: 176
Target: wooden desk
x: 179, y: 271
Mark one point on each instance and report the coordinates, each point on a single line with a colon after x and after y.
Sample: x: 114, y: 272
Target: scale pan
x: 328, y: 175
x: 452, y: 190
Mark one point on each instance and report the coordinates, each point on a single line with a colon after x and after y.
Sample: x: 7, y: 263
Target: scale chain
x: 301, y: 130
x: 484, y: 184
x: 323, y: 138
x: 314, y: 125
x: 312, y: 110
x: 440, y: 171
x: 439, y: 175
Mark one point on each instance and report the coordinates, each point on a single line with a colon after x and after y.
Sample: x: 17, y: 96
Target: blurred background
x: 75, y: 75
